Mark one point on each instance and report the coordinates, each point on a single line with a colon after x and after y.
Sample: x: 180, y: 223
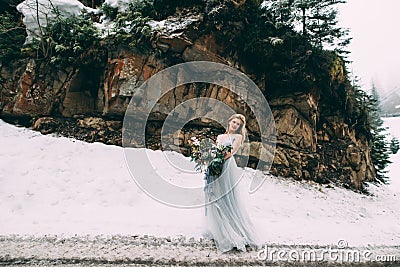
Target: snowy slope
x: 57, y: 185
x: 393, y: 125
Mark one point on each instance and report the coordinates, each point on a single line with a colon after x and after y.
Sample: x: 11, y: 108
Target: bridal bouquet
x: 208, y: 156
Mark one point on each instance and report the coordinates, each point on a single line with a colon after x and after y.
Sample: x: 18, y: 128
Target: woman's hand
x: 227, y: 155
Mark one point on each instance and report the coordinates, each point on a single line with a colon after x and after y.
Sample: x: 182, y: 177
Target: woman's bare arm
x: 219, y: 139
x: 235, y: 146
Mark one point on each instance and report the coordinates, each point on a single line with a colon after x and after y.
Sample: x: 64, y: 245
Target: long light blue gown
x: 227, y: 220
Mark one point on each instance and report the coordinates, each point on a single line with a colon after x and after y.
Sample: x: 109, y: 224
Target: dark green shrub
x: 12, y: 37
x: 131, y: 27
x: 109, y: 11
x: 68, y: 39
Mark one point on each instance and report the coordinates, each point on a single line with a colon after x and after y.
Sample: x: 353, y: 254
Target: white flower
x: 195, y: 141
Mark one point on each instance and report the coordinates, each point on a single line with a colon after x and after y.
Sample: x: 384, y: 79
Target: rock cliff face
x: 89, y: 103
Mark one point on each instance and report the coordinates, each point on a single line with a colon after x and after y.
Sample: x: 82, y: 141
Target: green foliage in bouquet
x: 215, y: 166
x: 208, y: 156
x: 217, y: 163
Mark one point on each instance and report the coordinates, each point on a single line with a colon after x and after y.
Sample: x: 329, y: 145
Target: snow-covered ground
x: 57, y: 185
x: 393, y: 125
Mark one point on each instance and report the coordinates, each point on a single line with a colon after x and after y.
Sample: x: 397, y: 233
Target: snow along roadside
x: 179, y: 250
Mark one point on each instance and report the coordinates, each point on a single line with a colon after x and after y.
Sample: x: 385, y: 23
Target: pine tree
x: 315, y: 19
x: 380, y: 152
x: 368, y: 121
x: 320, y: 24
x: 375, y: 95
x: 280, y: 12
x: 394, y: 145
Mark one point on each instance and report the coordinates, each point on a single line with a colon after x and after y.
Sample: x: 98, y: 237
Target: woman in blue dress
x: 227, y: 220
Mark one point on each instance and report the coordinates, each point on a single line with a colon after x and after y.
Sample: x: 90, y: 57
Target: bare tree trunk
x: 41, y: 35
x: 303, y: 9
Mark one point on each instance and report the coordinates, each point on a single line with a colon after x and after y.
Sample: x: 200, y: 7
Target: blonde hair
x: 242, y: 129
